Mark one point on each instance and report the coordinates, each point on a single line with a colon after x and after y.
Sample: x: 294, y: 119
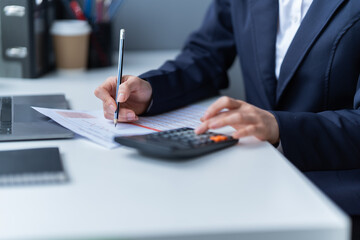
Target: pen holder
x: 100, y: 48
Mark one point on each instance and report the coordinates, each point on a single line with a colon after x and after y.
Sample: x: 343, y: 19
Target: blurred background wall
x: 158, y: 24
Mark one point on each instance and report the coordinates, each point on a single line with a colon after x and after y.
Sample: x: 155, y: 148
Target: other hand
x: 245, y: 118
x: 134, y: 96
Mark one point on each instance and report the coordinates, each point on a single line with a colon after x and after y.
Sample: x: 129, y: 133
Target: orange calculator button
x: 218, y: 138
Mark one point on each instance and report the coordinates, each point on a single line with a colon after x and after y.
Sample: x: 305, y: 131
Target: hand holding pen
x: 131, y: 92
x: 134, y: 95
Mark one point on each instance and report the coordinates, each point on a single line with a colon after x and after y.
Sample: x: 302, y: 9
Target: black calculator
x: 177, y: 143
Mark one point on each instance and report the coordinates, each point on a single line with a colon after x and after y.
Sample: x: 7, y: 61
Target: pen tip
x: 115, y: 122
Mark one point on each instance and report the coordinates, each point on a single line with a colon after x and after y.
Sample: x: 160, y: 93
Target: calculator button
x: 218, y: 138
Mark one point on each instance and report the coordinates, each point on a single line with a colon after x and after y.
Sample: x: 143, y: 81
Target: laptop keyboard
x: 5, y: 115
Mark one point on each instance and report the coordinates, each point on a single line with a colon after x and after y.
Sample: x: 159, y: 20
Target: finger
x: 108, y: 111
x: 106, y: 89
x: 206, y: 124
x: 106, y: 93
x: 223, y: 120
x: 249, y: 130
x: 126, y: 88
x: 109, y: 105
x: 230, y: 118
x: 202, y: 128
x: 110, y: 84
x: 109, y: 116
x: 127, y: 115
x: 220, y: 104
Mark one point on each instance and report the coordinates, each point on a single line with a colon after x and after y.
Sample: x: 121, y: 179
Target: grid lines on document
x: 91, y: 127
x: 184, y: 117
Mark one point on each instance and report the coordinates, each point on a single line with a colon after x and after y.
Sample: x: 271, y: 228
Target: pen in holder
x: 100, y: 48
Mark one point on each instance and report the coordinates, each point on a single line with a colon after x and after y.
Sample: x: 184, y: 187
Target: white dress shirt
x: 291, y: 13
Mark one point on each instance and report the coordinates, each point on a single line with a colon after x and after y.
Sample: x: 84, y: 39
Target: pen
x: 106, y: 6
x: 120, y: 68
x: 113, y: 8
x: 75, y: 7
x: 99, y: 10
x: 88, y: 9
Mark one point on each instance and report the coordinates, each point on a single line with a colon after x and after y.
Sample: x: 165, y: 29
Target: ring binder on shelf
x: 25, y: 43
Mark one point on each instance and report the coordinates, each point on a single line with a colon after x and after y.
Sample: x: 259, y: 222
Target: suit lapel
x: 264, y: 15
x: 319, y: 14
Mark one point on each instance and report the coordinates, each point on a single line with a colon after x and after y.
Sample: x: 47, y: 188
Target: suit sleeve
x: 327, y: 140
x: 201, y: 68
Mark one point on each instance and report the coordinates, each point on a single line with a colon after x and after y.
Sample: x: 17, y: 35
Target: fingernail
x: 130, y: 116
x: 120, y: 97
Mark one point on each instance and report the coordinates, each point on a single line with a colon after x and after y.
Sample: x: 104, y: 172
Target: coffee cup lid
x: 70, y: 27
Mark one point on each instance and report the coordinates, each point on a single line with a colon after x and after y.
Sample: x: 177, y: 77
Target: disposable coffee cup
x: 71, y: 44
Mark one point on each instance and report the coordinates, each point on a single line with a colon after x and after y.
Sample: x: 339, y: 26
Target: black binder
x: 25, y: 44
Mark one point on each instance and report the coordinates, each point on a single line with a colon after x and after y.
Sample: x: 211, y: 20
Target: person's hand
x: 245, y: 118
x: 134, y: 95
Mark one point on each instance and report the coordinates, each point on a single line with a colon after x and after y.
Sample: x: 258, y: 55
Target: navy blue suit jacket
x: 316, y: 99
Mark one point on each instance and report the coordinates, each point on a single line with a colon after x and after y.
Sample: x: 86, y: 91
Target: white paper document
x: 93, y: 125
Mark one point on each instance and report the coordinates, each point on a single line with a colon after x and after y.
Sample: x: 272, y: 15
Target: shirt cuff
x: 279, y: 148
x: 149, y: 107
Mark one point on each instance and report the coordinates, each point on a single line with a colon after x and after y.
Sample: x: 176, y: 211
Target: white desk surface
x: 249, y: 191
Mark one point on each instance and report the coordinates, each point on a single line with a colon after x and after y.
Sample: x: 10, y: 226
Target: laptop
x: 18, y: 121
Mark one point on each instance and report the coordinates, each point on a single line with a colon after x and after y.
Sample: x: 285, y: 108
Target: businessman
x: 301, y: 65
